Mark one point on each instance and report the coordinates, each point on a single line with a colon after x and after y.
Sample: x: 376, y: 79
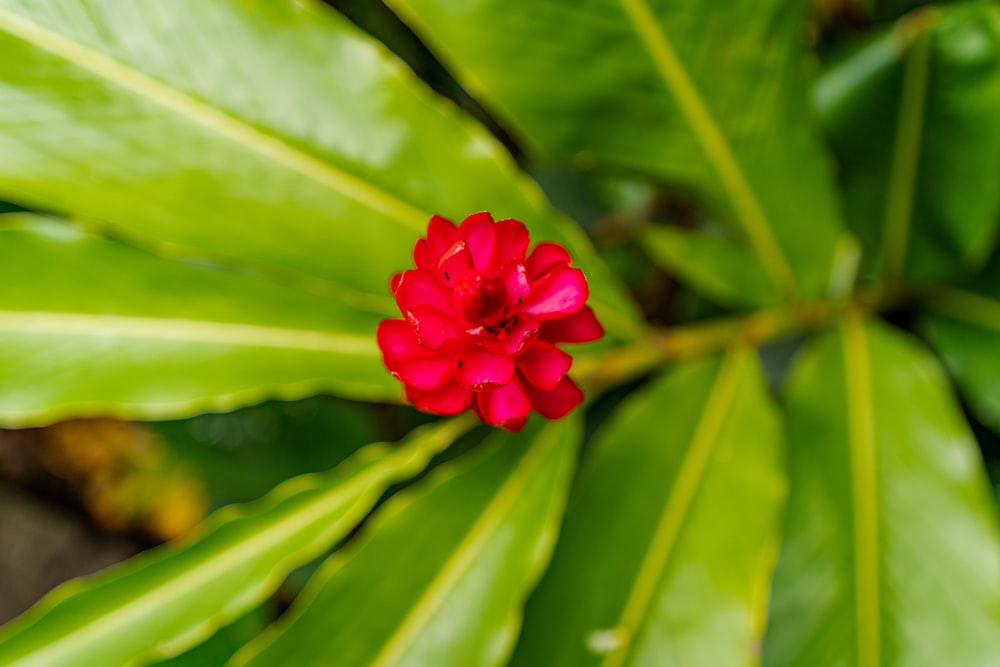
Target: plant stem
x: 599, y: 372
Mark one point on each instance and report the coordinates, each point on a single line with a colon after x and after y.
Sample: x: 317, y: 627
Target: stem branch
x: 599, y: 372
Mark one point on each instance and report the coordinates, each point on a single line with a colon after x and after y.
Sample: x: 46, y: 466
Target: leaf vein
x: 434, y: 595
x: 905, y: 160
x: 864, y: 491
x: 717, y: 149
x: 215, y: 120
x: 183, y: 330
x: 686, y: 485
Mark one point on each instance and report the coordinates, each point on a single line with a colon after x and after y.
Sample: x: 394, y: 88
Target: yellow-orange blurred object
x: 123, y: 476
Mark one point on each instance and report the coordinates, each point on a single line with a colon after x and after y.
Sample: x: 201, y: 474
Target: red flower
x: 482, y: 320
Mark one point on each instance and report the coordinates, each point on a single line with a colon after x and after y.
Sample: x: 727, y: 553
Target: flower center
x: 481, y: 298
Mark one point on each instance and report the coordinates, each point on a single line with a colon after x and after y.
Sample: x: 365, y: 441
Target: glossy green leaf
x: 912, y: 116
x: 965, y: 330
x: 892, y: 552
x: 706, y: 96
x: 89, y: 326
x: 164, y: 601
x: 716, y: 267
x: 221, y: 646
x: 443, y: 571
x: 671, y: 530
x: 264, y: 132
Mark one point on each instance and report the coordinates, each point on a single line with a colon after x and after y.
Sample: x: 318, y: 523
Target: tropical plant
x: 220, y: 190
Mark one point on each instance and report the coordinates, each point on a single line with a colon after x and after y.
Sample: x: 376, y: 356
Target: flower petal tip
x: 482, y: 318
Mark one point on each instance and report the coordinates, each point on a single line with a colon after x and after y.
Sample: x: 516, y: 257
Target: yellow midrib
x: 215, y: 120
x: 182, y: 330
x: 864, y: 488
x: 436, y: 592
x: 686, y: 485
x: 717, y: 150
x: 905, y: 160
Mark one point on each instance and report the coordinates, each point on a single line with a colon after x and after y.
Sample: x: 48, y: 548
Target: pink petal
x: 478, y: 231
x: 557, y: 403
x: 519, y: 334
x: 515, y: 278
x: 544, y: 365
x: 561, y: 292
x: 420, y: 286
x: 507, y: 405
x: 450, y: 399
x: 428, y: 372
x: 580, y: 327
x: 423, y: 256
x: 454, y: 263
x: 409, y: 361
x: 394, y: 281
x: 545, y: 257
x: 478, y: 368
x: 441, y: 235
x: 397, y: 341
x: 432, y: 327
x: 511, y: 241
x: 514, y: 425
x: 476, y: 410
x: 481, y: 298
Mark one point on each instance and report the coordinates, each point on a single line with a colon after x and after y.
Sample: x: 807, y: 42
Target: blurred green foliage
x: 243, y: 454
x: 788, y: 215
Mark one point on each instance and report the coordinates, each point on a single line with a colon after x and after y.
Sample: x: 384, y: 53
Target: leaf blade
x: 162, y: 603
x: 629, y: 580
x: 446, y: 604
x: 909, y: 114
x: 172, y: 340
x: 714, y: 143
x: 716, y: 267
x: 657, y: 101
x: 342, y: 183
x: 964, y: 327
x: 883, y: 495
x: 329, y: 174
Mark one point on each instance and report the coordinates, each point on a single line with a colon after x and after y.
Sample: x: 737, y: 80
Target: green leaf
x: 89, y: 326
x: 912, y: 116
x: 221, y: 646
x: 965, y: 330
x: 671, y: 529
x: 892, y: 553
x: 269, y: 133
x: 717, y: 267
x: 443, y: 570
x: 164, y: 601
x: 708, y: 98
